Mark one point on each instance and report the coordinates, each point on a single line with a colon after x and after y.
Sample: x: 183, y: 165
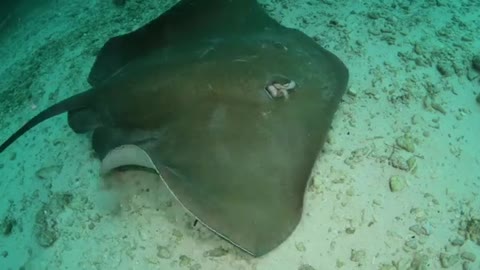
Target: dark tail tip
x: 13, y: 138
x: 75, y: 102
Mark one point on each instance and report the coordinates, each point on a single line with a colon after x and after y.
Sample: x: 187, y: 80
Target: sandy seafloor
x: 412, y: 87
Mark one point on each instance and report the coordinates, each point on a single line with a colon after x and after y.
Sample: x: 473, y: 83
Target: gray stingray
x: 229, y: 107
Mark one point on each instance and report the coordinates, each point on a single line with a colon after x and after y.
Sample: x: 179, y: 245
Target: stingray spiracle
x: 277, y: 89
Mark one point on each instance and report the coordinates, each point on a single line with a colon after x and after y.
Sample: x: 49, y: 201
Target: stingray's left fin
x: 78, y: 101
x: 188, y: 21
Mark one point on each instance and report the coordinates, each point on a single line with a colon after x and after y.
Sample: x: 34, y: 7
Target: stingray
x: 229, y: 107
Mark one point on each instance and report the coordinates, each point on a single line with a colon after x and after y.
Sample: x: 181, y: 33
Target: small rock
x: 447, y: 261
x: 216, y: 252
x: 306, y: 267
x: 91, y: 226
x: 445, y: 69
x: 358, y: 256
x: 476, y: 63
x: 398, y: 162
x: 412, y: 164
x: 420, y: 214
x: 163, y: 252
x: 185, y: 261
x: 457, y: 241
x: 472, y: 74
x: 387, y: 267
x: 420, y: 262
x: 406, y: 143
x: 419, y: 230
x: 438, y: 107
x: 300, y: 246
x: 473, y: 230
x: 411, y: 244
x: 350, y: 230
x: 49, y: 172
x: 478, y: 99
x: 196, y: 266
x: 7, y: 225
x: 417, y: 119
x: 373, y: 15
x: 352, y: 92
x: 397, y: 183
x: 47, y: 237
x: 469, y: 256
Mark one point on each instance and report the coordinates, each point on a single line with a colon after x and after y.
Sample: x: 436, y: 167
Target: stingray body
x: 187, y: 95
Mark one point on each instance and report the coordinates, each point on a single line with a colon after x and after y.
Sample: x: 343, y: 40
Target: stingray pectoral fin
x: 187, y: 21
x: 247, y: 190
x: 126, y: 155
x: 255, y: 214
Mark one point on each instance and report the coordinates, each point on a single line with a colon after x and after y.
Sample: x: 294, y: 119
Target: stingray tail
x: 75, y: 102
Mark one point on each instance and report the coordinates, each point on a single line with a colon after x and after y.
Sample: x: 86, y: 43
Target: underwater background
x: 396, y: 186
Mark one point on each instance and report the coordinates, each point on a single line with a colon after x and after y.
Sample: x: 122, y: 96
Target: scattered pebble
x: 438, y: 107
x: 476, y: 63
x: 411, y: 244
x: 466, y: 266
x: 306, y: 267
x: 419, y: 262
x: 196, y: 266
x: 300, y: 246
x: 350, y: 230
x: 457, y: 241
x: 163, y: 252
x: 473, y: 230
x: 358, y: 256
x: 398, y: 162
x: 91, y: 226
x: 216, y: 252
x: 352, y: 92
x: 469, y: 256
x: 7, y: 225
x: 419, y: 230
x: 406, y: 143
x: 48, y: 172
x: 387, y: 267
x: 397, y: 183
x: 185, y: 261
x: 420, y: 214
x: 46, y: 237
x: 447, y: 260
x: 412, y: 164
x: 445, y: 69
